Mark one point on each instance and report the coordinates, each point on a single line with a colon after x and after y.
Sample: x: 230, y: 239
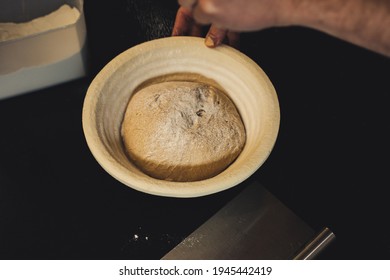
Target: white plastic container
x: 42, y: 59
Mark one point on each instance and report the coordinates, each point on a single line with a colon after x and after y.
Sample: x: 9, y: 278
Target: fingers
x: 187, y: 3
x: 200, y: 10
x: 216, y: 36
x: 202, y: 13
x: 196, y: 30
x: 185, y: 24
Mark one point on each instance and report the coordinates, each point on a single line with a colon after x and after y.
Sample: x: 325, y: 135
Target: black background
x: 330, y: 163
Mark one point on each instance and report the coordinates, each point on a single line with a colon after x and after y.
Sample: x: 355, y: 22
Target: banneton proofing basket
x: 180, y: 58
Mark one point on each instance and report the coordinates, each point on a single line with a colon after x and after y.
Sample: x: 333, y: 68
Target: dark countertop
x: 330, y: 163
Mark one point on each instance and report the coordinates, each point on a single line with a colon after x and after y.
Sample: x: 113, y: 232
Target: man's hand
x: 185, y: 25
x: 361, y: 22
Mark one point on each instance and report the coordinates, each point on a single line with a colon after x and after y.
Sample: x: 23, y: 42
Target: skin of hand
x: 185, y: 24
x: 361, y: 22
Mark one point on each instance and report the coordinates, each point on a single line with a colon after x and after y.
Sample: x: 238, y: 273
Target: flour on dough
x: 182, y: 131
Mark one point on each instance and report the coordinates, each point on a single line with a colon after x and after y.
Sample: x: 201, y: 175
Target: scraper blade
x: 254, y: 225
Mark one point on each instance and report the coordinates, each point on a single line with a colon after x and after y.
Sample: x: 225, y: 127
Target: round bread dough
x: 182, y: 131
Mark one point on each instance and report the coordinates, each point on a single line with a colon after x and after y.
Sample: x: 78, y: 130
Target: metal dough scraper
x: 253, y: 225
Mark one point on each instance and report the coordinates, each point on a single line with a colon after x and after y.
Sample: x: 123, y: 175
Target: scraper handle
x: 318, y: 243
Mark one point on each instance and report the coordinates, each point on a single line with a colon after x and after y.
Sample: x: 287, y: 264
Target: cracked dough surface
x: 182, y: 131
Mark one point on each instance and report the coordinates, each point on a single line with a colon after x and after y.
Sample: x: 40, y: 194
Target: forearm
x: 362, y: 22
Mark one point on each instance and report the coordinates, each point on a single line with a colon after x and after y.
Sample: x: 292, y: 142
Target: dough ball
x: 182, y: 131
